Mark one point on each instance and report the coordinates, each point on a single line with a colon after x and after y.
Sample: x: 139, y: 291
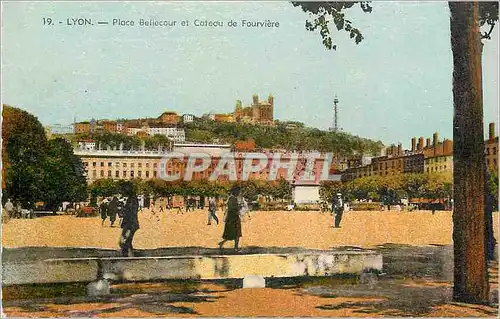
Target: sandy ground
x: 397, y: 296
x: 264, y: 229
x: 388, y: 298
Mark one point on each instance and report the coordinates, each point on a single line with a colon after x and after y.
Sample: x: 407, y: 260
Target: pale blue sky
x: 394, y: 85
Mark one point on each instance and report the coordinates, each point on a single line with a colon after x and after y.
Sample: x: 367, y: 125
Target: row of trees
x: 391, y: 189
x: 251, y: 189
x: 280, y: 137
x: 35, y: 169
x: 115, y: 140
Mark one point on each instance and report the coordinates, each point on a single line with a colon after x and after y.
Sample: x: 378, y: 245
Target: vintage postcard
x: 249, y: 159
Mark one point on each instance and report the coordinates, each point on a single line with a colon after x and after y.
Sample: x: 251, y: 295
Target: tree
x: 63, y: 175
x: 470, y: 280
x: 23, y: 153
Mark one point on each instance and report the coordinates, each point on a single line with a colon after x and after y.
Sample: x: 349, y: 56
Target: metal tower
x: 335, y: 126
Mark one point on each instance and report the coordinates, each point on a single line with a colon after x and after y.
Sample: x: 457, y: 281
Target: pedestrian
x: 18, y: 210
x: 140, y: 199
x: 113, y: 210
x: 337, y: 209
x: 103, y: 210
x: 244, y: 210
x: 130, y: 221
x: 212, y: 209
x: 232, y: 228
x: 8, y: 211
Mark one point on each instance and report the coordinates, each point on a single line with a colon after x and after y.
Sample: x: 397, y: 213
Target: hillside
x: 279, y: 137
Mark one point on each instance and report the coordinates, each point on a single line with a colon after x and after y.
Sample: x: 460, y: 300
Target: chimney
x: 413, y: 144
x: 435, y: 140
x: 400, y: 149
x: 428, y: 143
x: 491, y: 131
x: 447, y: 147
x: 420, y: 143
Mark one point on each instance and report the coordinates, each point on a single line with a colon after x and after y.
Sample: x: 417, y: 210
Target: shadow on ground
x: 415, y: 280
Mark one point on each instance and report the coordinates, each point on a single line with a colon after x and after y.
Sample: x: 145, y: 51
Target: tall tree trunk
x: 470, y: 274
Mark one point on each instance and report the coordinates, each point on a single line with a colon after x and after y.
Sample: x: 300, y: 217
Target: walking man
x: 103, y: 210
x: 212, y: 209
x: 337, y: 209
x: 232, y: 228
x: 130, y: 221
x: 113, y: 210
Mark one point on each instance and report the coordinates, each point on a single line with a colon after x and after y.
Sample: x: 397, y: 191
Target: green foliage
x: 326, y: 13
x: 391, y: 189
x: 37, y: 170
x: 23, y: 155
x: 63, y: 173
x: 114, y: 140
x: 279, y: 137
x: 493, y: 188
x: 276, y: 190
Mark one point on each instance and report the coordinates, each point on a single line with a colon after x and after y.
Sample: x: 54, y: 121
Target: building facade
x: 188, y: 118
x: 169, y: 117
x: 491, y: 146
x: 82, y: 127
x: 258, y: 113
x: 176, y: 134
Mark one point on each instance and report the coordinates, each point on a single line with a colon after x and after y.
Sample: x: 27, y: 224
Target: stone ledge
x: 323, y: 263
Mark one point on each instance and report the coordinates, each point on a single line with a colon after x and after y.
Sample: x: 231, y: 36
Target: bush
x: 273, y: 206
x: 307, y: 207
x: 365, y: 206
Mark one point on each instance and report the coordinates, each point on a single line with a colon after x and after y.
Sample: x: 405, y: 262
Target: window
x: 139, y: 165
x: 147, y: 174
x: 117, y: 174
x: 132, y: 165
x: 147, y: 165
x: 94, y: 164
x: 155, y: 173
x: 102, y: 164
x: 109, y: 173
x: 94, y: 173
x: 155, y: 165
x: 124, y: 164
x: 124, y: 174
x: 102, y: 173
x: 139, y: 174
x: 86, y: 164
x: 131, y: 173
x: 110, y: 164
x: 117, y: 164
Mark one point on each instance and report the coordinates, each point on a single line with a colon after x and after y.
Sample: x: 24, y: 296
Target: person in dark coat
x: 232, y: 228
x: 130, y: 221
x: 113, y: 210
x: 103, y: 210
x: 337, y: 209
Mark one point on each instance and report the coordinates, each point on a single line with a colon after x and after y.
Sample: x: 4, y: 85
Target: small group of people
x: 126, y: 206
x: 110, y: 207
x: 15, y: 210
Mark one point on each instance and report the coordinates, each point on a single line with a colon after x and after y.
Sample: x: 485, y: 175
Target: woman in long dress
x: 232, y: 228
